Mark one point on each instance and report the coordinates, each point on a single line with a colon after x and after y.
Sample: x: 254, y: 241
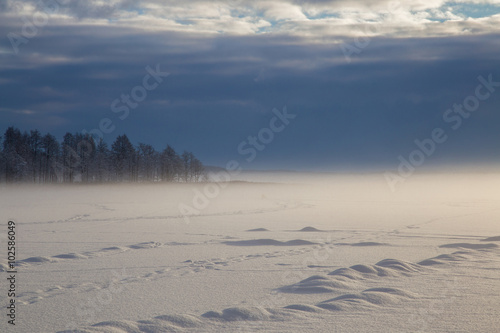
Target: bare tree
x: 78, y: 158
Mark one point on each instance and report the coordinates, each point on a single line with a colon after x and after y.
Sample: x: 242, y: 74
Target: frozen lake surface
x: 311, y: 254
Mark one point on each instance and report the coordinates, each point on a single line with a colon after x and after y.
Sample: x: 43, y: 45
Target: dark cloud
x: 222, y: 89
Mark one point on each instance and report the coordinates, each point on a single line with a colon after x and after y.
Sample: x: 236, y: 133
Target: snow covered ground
x: 311, y: 254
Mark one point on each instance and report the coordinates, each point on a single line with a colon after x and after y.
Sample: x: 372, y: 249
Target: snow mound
x: 431, y: 262
x: 181, y: 320
x: 118, y: 326
x: 367, y: 269
x: 239, y: 313
x: 399, y: 265
x: 373, y: 296
x: 34, y: 260
x: 317, y: 284
x: 113, y: 248
x: 470, y: 246
x: 361, y: 272
x: 491, y: 239
x: 258, y: 230
x: 445, y: 258
x: 269, y: 242
x: 70, y: 256
x: 164, y: 323
x: 310, y: 229
x: 86, y: 255
x: 347, y: 278
x: 369, y: 244
x: 145, y: 245
x: 305, y: 308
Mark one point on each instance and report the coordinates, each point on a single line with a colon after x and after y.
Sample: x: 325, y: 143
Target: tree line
x: 36, y: 158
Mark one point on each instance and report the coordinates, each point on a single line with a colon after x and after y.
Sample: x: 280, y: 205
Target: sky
x: 296, y: 85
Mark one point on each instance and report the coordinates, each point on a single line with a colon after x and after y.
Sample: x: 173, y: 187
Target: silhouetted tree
x: 70, y: 158
x: 102, y: 162
x: 197, y: 169
x: 148, y: 162
x: 41, y: 158
x: 85, y: 150
x: 170, y: 165
x: 15, y: 149
x: 192, y: 168
x: 50, y: 151
x: 35, y: 143
x: 123, y: 157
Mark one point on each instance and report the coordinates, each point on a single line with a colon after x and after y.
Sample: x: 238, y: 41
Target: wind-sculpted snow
x: 258, y: 230
x: 491, y: 239
x: 386, y: 267
x: 366, y: 300
x: 349, y: 278
x: 310, y: 229
x: 186, y: 267
x: 318, y: 284
x: 352, y: 296
x: 269, y: 242
x: 305, y: 229
x: 446, y: 258
x: 240, y: 313
x: 374, y: 296
x: 399, y: 265
x: 470, y: 246
x: 85, y: 255
x: 361, y: 244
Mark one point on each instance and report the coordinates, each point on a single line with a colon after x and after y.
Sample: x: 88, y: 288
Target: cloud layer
x: 366, y: 78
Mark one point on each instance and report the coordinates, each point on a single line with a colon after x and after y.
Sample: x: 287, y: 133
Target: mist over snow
x: 312, y: 254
